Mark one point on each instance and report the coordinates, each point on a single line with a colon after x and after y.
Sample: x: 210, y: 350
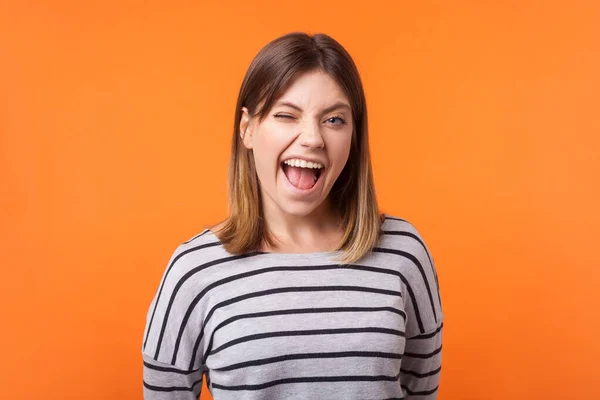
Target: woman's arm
x: 172, y: 336
x: 421, y: 365
x: 422, y: 360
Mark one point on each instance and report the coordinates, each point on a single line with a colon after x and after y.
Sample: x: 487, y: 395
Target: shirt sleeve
x: 422, y: 359
x: 172, y: 369
x: 421, y: 365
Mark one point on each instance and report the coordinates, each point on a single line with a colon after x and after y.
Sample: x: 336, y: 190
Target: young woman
x: 305, y: 291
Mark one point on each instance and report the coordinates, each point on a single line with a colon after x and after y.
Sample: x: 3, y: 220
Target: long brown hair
x: 353, y: 193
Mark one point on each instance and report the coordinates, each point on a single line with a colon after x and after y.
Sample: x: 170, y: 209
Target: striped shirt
x: 296, y: 326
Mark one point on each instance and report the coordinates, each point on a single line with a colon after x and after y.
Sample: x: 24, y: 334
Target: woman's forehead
x: 315, y: 90
x: 312, y: 86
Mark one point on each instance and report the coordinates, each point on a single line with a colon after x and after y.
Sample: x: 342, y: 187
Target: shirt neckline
x: 313, y: 254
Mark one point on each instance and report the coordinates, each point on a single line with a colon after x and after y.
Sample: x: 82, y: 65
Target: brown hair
x: 353, y: 193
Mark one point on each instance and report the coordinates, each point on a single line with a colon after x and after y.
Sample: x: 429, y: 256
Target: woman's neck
x: 321, y: 230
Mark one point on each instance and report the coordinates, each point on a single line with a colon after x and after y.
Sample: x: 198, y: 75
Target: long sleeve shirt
x: 264, y: 325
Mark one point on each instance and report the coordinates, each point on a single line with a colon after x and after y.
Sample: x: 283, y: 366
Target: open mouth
x: 303, y: 179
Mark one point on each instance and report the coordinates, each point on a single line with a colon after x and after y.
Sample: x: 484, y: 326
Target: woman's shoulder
x: 216, y: 228
x: 207, y: 234
x: 393, y: 222
x: 202, y: 246
x: 402, y: 234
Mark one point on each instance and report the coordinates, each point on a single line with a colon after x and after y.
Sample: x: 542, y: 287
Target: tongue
x: 302, y: 178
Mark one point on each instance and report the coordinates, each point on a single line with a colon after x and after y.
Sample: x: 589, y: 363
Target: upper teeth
x: 295, y: 162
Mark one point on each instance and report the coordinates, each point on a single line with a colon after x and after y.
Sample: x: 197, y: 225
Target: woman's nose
x: 310, y: 136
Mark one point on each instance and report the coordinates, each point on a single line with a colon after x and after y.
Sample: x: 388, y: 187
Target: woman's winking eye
x: 342, y: 120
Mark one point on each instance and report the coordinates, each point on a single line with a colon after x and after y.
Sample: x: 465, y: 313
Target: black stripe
x: 428, y: 335
x: 308, y: 379
x: 212, y: 244
x: 419, y: 266
x: 282, y: 290
x: 427, y: 355
x: 171, y: 388
x: 178, y: 286
x: 305, y: 333
x: 169, y: 369
x: 419, y: 374
x: 418, y: 239
x: 305, y: 356
x: 301, y: 311
x: 422, y: 393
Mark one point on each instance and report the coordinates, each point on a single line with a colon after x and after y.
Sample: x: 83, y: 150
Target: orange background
x: 115, y: 122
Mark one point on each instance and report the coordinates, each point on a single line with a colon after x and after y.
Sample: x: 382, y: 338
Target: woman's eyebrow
x: 338, y: 105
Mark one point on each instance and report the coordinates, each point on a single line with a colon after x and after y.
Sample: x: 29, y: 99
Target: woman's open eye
x: 341, y: 120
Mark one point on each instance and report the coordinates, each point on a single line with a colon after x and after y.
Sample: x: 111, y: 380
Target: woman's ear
x: 245, y: 131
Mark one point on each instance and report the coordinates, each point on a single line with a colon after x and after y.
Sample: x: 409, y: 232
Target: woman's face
x: 311, y: 121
